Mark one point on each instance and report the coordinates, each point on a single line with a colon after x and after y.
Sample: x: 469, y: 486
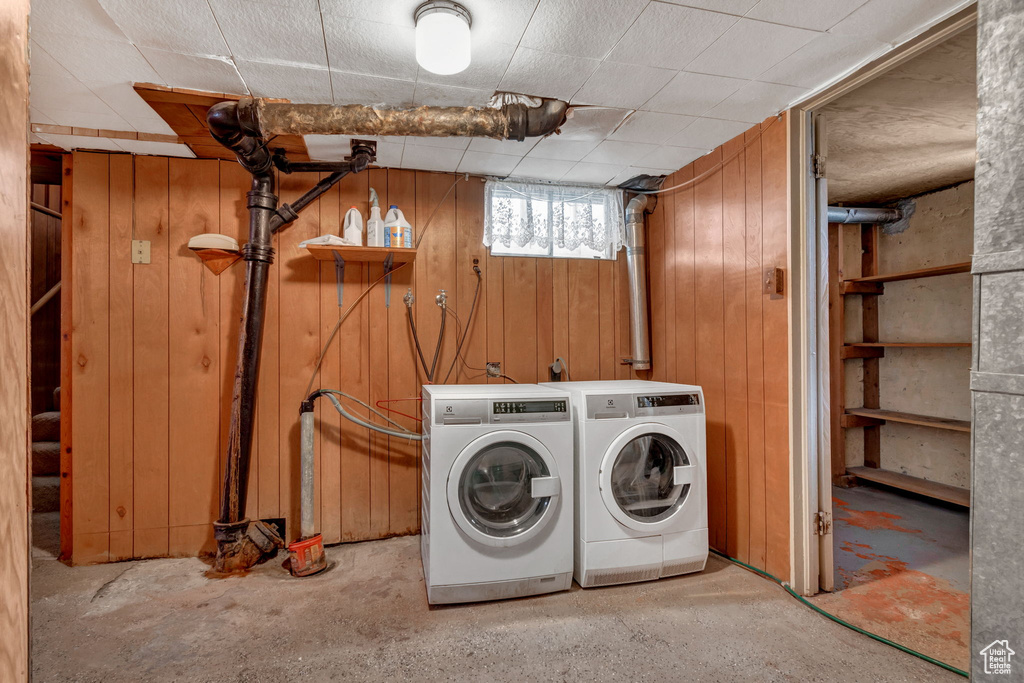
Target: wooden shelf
x: 910, y: 345
x: 909, y: 418
x: 914, y: 274
x: 322, y: 252
x: 950, y: 494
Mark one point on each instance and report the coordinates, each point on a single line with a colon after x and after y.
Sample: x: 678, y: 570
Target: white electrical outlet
x: 140, y: 251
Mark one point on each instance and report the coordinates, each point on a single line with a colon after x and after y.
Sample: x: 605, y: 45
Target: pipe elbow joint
x: 545, y: 119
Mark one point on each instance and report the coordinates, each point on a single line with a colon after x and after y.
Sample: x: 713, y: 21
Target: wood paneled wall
x: 45, y: 273
x: 151, y: 349
x: 709, y: 244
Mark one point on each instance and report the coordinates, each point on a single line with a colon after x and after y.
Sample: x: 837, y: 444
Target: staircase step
x: 56, y: 399
x: 46, y: 426
x: 45, y: 494
x: 45, y: 458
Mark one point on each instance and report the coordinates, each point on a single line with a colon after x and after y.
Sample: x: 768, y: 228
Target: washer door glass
x: 643, y: 477
x: 495, y: 491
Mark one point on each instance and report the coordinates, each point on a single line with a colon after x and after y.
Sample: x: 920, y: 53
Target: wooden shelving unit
x: 364, y: 254
x: 871, y: 416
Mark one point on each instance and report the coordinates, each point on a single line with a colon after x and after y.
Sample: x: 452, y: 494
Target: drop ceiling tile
x: 48, y: 94
x: 70, y: 142
x: 580, y: 28
x: 167, y: 149
x: 889, y: 21
x: 651, y: 127
x: 544, y: 74
x: 591, y: 174
x: 592, y: 124
x: 483, y: 163
x: 622, y: 85
x: 389, y: 154
x: 37, y: 116
x: 42, y: 65
x: 98, y: 60
x: 621, y: 153
x: 185, y: 26
x: 542, y: 169
x: 431, y: 158
x: 512, y: 147
x: 337, y: 147
x: 556, y: 147
x: 34, y: 139
x: 739, y: 7
x: 448, y: 142
x: 83, y: 18
x: 303, y: 84
x: 669, y: 36
x: 273, y: 32
x: 755, y: 102
x: 750, y: 47
x: 150, y: 125
x: 106, y: 121
x: 449, y: 96
x: 693, y: 94
x: 819, y: 15
x: 366, y: 47
x: 672, y: 158
x: 823, y: 60
x: 217, y: 74
x: 707, y: 133
x: 122, y: 98
x: 501, y: 21
x: 359, y: 89
x: 488, y: 65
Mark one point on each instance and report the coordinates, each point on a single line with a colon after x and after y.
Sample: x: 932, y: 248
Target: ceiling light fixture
x: 442, y: 36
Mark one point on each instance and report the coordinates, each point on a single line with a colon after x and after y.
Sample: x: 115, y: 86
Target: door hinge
x: 818, y: 165
x: 823, y: 523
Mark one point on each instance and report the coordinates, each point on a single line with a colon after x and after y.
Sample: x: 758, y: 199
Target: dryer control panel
x: 622, y: 406
x: 485, y: 411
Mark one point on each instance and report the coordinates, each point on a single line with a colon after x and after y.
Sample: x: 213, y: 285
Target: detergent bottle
x: 397, y: 231
x: 374, y: 224
x: 353, y: 232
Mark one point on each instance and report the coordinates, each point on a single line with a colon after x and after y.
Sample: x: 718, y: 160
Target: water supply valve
x: 409, y: 298
x: 442, y: 299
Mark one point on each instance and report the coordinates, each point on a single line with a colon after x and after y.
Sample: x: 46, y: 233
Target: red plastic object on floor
x: 307, y: 556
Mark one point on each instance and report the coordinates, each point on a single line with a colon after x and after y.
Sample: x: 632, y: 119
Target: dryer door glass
x: 643, y: 478
x: 495, y: 491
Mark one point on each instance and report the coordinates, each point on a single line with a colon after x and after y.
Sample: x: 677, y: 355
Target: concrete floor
x: 367, y: 619
x: 903, y: 570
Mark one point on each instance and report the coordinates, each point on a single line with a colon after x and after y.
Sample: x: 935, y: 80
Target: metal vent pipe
x: 636, y: 265
x: 848, y: 214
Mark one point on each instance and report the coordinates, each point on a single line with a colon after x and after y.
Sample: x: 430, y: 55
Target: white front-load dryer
x: 497, y: 513
x: 641, y: 480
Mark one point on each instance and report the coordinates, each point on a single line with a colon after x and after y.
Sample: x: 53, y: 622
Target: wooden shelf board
x: 323, y: 252
x: 910, y: 418
x: 914, y: 274
x: 905, y: 482
x: 909, y: 345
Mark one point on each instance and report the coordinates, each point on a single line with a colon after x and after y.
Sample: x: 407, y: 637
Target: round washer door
x: 503, y: 488
x: 647, y: 475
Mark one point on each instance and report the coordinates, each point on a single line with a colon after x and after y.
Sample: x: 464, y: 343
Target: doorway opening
x: 899, y: 353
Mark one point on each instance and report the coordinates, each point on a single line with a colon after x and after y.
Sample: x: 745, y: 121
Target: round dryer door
x: 503, y: 488
x: 646, y: 477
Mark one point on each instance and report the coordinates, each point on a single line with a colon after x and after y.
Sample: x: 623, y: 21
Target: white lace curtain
x: 525, y: 214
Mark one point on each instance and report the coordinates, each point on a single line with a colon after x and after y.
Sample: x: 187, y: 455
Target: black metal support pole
x: 235, y: 551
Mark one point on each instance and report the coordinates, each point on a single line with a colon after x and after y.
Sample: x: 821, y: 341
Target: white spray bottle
x: 374, y: 224
x: 354, y: 227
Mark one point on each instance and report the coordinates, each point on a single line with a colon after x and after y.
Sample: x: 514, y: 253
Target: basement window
x: 558, y: 221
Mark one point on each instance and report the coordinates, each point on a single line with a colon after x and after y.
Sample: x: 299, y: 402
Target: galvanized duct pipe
x: 846, y: 214
x: 636, y: 264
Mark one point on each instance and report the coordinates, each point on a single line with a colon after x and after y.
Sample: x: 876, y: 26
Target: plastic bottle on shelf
x: 353, y: 232
x: 374, y: 224
x: 397, y: 231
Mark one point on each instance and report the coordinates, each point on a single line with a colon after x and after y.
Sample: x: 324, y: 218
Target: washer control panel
x: 489, y: 411
x: 668, y: 404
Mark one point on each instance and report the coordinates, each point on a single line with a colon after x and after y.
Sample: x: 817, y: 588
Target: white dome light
x: 442, y: 37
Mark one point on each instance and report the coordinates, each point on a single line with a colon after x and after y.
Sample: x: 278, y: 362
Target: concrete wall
x: 997, y: 380
x: 926, y: 381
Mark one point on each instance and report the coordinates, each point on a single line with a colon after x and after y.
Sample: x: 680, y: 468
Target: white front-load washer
x: 497, y: 513
x: 641, y: 480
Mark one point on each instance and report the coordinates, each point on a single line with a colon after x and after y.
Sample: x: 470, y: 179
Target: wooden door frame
x: 810, y: 458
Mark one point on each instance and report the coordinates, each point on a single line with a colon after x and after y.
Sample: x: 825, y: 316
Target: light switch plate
x: 140, y: 251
